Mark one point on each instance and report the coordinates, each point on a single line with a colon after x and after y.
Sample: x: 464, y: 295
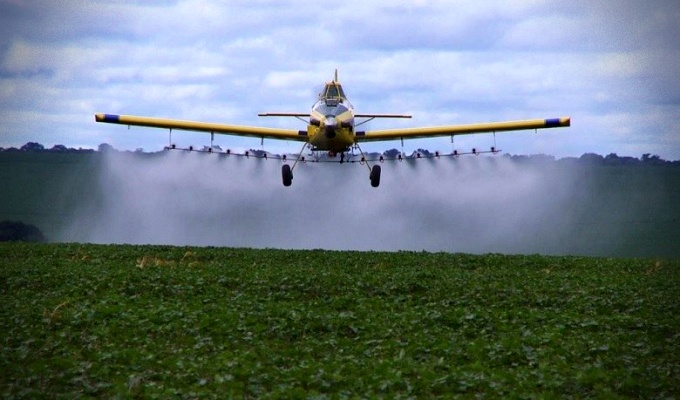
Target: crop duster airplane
x: 331, y: 127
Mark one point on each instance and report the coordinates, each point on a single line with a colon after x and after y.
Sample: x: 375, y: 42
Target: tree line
x: 611, y: 159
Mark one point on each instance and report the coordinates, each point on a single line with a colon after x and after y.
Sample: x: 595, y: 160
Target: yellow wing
x: 238, y: 130
x: 450, y: 130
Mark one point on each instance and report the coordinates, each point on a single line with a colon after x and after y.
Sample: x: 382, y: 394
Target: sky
x: 612, y: 66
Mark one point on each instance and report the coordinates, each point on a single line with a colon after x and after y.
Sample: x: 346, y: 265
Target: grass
x: 158, y: 322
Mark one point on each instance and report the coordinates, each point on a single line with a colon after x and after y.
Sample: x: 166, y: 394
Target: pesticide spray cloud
x: 469, y: 204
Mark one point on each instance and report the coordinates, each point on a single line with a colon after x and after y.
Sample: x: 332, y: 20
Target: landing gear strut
x: 287, y: 170
x: 375, y: 170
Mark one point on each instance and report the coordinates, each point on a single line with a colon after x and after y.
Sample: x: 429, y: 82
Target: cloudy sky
x: 613, y: 66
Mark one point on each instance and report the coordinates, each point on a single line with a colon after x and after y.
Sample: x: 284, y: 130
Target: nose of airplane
x: 329, y: 127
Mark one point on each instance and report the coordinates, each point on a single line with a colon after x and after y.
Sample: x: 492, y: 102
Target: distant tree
x: 105, y: 147
x: 541, y: 158
x: 647, y: 158
x: 11, y: 231
x: 392, y: 153
x: 32, y: 146
x: 517, y: 157
x: 612, y: 159
x: 592, y: 158
x: 253, y: 152
x: 59, y: 148
x: 628, y: 161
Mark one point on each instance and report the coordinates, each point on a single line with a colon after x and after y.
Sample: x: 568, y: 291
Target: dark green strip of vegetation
x: 159, y: 322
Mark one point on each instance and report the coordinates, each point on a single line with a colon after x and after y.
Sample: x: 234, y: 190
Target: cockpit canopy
x: 333, y: 90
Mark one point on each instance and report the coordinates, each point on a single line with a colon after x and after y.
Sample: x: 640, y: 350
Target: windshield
x: 333, y: 90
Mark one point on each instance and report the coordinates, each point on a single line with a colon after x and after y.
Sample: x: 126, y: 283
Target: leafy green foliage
x: 159, y: 322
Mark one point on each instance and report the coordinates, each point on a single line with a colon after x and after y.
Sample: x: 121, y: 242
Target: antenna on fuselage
x: 336, y: 75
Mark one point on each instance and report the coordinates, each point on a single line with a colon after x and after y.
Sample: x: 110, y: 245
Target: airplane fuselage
x: 331, y: 122
x: 331, y: 125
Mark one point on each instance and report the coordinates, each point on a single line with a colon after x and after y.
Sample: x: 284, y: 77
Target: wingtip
x: 106, y: 117
x: 556, y: 122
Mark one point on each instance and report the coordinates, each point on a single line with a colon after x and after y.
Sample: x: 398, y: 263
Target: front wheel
x: 375, y: 176
x: 287, y: 175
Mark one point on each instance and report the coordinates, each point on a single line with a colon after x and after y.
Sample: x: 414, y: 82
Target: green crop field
x: 162, y: 322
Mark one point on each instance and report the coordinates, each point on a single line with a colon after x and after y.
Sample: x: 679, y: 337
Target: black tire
x: 287, y: 175
x: 375, y: 176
